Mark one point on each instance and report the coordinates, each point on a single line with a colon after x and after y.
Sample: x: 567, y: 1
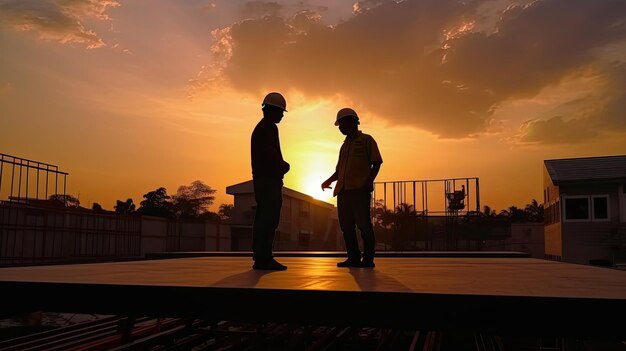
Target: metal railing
x: 423, y: 214
x: 431, y: 197
x: 28, y: 171
x: 37, y: 225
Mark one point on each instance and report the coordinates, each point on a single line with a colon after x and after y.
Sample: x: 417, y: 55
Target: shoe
x: 349, y: 263
x: 269, y: 265
x: 367, y: 264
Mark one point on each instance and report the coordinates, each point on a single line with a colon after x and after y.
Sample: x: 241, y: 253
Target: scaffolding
x: 28, y: 172
x: 425, y: 211
x: 38, y: 225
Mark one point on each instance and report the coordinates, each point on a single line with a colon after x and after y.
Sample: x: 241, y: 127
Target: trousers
x: 353, y: 207
x: 268, y: 193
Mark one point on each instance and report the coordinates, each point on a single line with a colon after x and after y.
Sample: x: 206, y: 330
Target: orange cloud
x: 261, y: 8
x: 60, y: 21
x: 596, y: 115
x: 422, y: 63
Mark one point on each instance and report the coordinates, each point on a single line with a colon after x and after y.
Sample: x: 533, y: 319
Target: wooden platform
x: 488, y: 294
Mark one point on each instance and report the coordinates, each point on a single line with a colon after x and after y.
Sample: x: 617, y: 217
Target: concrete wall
x: 44, y: 235
x: 50, y: 234
x: 553, y: 241
x: 217, y: 237
x: 153, y: 234
x: 527, y: 237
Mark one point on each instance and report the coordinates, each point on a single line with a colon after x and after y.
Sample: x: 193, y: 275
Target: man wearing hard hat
x: 358, y: 166
x: 268, y: 169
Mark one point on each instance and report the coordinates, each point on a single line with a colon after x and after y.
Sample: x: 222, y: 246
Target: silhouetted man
x: 268, y: 169
x: 358, y: 166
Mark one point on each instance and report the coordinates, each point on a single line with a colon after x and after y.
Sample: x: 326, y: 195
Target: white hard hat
x: 275, y: 99
x: 347, y: 112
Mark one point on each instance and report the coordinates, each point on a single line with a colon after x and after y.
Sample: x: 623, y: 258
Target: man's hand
x: 326, y: 185
x: 285, y: 167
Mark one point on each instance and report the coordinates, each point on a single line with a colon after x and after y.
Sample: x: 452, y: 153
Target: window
x: 623, y: 202
x: 304, y: 238
x: 305, y: 208
x: 576, y: 208
x: 285, y: 212
x: 585, y: 208
x: 600, y: 207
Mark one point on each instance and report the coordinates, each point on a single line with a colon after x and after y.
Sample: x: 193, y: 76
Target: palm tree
x: 534, y: 211
x: 489, y: 212
x: 513, y: 214
x: 226, y: 211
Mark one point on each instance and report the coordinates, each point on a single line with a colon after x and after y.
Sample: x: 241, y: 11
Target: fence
x: 424, y: 214
x: 37, y: 226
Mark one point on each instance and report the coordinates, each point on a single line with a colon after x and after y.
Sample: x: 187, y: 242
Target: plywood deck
x: 428, y: 292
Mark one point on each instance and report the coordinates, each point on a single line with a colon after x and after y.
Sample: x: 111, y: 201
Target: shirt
x: 356, y: 157
x: 267, y: 159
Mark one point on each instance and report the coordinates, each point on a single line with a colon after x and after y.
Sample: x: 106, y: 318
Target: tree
x: 124, y: 207
x: 156, y: 203
x: 534, y: 211
x: 226, y: 211
x: 65, y: 200
x: 406, y: 227
x: 193, y: 200
x: 489, y: 212
x: 513, y: 214
x: 210, y: 216
x: 96, y: 207
x: 383, y: 217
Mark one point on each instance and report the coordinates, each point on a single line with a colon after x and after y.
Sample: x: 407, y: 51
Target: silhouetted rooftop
x: 587, y: 169
x: 514, y: 295
x: 248, y: 188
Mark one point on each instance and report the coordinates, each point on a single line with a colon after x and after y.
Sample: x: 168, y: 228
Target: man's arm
x: 373, y: 173
x: 327, y: 182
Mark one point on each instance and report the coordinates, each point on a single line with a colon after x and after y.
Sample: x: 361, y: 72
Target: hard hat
x: 275, y: 99
x: 347, y: 112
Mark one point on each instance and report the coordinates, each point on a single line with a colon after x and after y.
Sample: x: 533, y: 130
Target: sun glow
x: 312, y: 186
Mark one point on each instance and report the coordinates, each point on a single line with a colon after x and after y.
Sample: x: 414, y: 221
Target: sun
x: 312, y: 186
x: 316, y: 191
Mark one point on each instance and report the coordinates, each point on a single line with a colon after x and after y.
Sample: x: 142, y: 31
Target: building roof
x: 601, y: 168
x: 471, y: 294
x: 248, y: 188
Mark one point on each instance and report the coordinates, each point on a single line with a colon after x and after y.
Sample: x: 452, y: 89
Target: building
x: 305, y: 222
x: 585, y: 209
x: 527, y: 237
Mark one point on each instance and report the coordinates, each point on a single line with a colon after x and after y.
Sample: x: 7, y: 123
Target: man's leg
x: 261, y: 223
x: 265, y: 221
x: 268, y: 195
x: 275, y: 204
x: 363, y: 220
x: 346, y: 222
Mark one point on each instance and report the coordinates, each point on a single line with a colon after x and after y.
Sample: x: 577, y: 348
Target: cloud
x: 557, y: 130
x: 60, y: 21
x: 536, y: 45
x: 261, y: 8
x: 596, y: 115
x: 365, y: 5
x: 421, y: 63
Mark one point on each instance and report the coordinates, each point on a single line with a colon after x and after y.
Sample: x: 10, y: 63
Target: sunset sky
x: 129, y: 96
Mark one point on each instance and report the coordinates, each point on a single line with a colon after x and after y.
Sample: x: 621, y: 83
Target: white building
x: 305, y: 222
x: 585, y: 209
